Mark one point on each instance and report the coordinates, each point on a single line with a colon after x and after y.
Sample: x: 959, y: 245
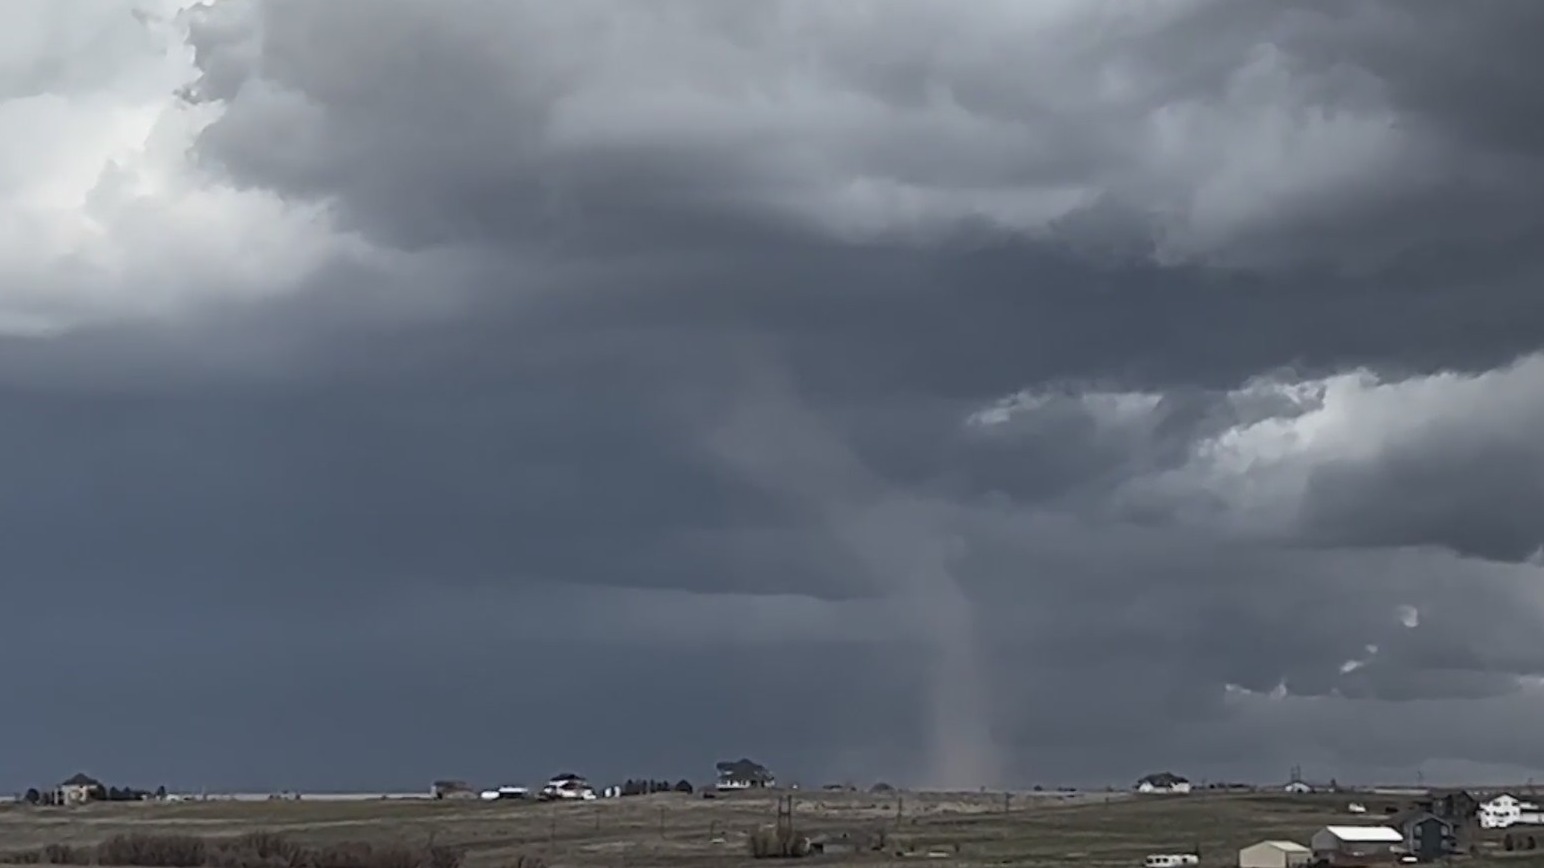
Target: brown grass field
x: 678, y: 830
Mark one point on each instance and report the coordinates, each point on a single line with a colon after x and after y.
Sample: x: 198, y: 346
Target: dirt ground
x: 676, y: 830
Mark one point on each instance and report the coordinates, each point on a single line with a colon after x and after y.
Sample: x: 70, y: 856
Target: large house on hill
x: 79, y: 789
x: 1163, y: 782
x: 743, y: 774
x: 567, y: 786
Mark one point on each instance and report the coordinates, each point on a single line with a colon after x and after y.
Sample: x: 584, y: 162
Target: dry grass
x: 251, y: 850
x: 675, y: 830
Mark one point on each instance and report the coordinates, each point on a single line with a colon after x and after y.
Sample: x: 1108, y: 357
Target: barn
x: 1357, y: 845
x: 1274, y: 854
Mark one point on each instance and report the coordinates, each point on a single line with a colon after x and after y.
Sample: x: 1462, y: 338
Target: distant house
x: 1456, y: 806
x: 79, y: 789
x: 567, y: 786
x: 452, y: 790
x: 1505, y: 810
x: 1357, y: 845
x: 1274, y: 854
x: 1163, y: 782
x: 1427, y: 836
x: 1297, y: 787
x: 742, y: 774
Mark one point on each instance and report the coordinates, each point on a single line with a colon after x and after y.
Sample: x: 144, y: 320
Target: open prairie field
x: 676, y: 830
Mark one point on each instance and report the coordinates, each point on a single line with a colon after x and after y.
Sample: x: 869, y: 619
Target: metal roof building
x: 1357, y: 845
x: 1274, y: 854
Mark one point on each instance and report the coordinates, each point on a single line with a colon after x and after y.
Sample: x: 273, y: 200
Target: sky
x: 957, y: 395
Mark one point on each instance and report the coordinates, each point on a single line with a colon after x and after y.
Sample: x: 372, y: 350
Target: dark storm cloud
x: 937, y: 353
x: 493, y: 124
x: 491, y: 132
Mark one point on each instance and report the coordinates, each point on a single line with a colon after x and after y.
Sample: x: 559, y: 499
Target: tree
x: 33, y: 797
x: 684, y: 786
x: 160, y: 793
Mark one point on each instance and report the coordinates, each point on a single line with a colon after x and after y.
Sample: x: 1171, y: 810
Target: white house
x: 567, y: 786
x: 1274, y: 854
x: 1297, y: 787
x: 1163, y: 782
x: 1506, y: 810
x: 79, y: 789
x: 743, y: 774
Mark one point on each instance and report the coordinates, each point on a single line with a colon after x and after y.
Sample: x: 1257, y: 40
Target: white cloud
x: 1261, y: 470
x: 1115, y: 409
x: 102, y: 213
x: 1254, y: 474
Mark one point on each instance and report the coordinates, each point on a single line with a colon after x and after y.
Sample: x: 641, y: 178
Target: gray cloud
x: 948, y: 381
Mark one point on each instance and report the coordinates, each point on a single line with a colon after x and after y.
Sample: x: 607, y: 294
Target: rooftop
x: 1378, y: 834
x: 1288, y: 846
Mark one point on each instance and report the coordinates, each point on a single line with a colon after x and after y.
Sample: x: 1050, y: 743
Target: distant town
x: 1394, y: 824
x: 730, y: 775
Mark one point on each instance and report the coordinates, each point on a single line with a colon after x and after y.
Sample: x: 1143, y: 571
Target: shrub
x: 362, y: 854
x: 153, y: 851
x: 64, y: 854
x: 253, y: 850
x: 257, y: 850
x: 769, y: 843
x: 880, y: 841
x: 442, y: 856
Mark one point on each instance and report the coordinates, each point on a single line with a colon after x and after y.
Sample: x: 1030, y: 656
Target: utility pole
x: 785, y: 817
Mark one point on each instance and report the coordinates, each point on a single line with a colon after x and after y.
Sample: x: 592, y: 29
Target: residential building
x: 79, y: 789
x: 1300, y: 785
x: 1357, y: 845
x: 742, y: 774
x: 1163, y: 782
x: 1427, y: 836
x: 567, y: 786
x: 1504, y: 810
x: 1274, y: 854
x: 1456, y: 806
